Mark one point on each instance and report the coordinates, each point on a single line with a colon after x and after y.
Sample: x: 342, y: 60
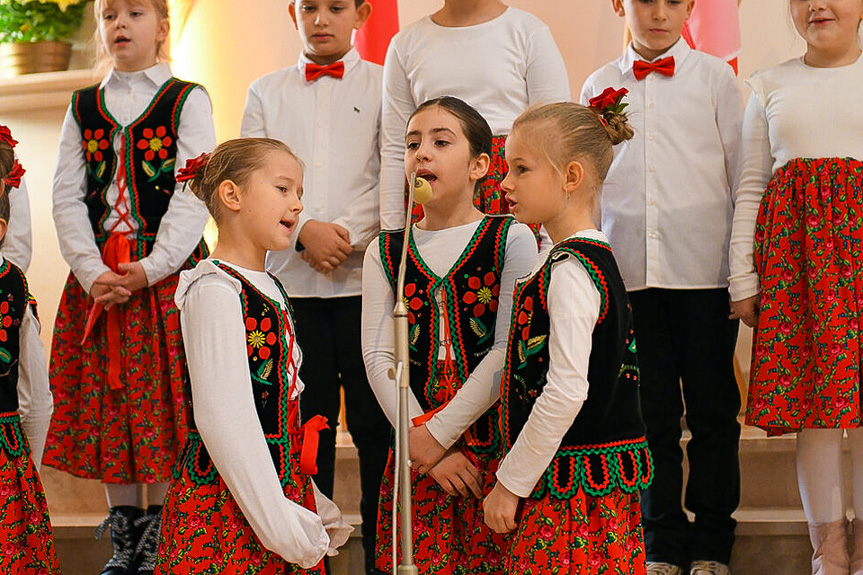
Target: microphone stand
x: 401, y: 373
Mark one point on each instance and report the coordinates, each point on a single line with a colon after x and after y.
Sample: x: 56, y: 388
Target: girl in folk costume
x: 797, y: 266
x: 126, y: 228
x: 458, y: 287
x: 25, y: 406
x: 576, y: 453
x: 242, y: 500
x: 497, y: 58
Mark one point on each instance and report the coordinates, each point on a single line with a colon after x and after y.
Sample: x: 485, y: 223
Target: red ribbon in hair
x: 192, y: 168
x: 6, y: 136
x: 13, y: 178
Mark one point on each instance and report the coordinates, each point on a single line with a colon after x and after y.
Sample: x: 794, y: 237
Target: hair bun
x: 617, y: 127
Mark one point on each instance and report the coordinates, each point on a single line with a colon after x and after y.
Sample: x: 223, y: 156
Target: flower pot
x: 18, y: 58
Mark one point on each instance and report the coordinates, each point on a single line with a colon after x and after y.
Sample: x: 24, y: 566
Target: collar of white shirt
x: 680, y: 50
x: 351, y: 59
x: 158, y: 75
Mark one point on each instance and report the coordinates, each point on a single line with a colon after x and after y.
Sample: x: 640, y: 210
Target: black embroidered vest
x: 14, y: 299
x: 605, y: 448
x: 470, y: 293
x: 269, y: 334
x: 149, y: 158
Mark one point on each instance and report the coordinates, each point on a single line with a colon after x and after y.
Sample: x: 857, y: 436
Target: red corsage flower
x: 609, y: 101
x: 6, y: 136
x: 192, y: 167
x: 155, y: 143
x: 13, y: 179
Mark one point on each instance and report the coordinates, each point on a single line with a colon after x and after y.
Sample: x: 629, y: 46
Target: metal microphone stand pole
x: 402, y: 373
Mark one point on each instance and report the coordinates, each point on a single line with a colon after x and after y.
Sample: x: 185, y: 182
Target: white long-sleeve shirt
x: 211, y: 318
x: 795, y: 111
x: 127, y: 96
x: 333, y: 125
x: 499, y: 67
x: 668, y: 199
x: 573, y: 308
x: 440, y: 250
x: 35, y: 402
x: 18, y: 242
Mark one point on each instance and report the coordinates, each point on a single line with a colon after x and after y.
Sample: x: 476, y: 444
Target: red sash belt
x: 116, y: 250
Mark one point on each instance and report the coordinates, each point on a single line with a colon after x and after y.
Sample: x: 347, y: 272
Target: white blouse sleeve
x: 18, y: 243
x: 74, y: 233
x: 547, y: 80
x: 398, y: 104
x: 214, y: 338
x: 482, y: 388
x: 377, y: 335
x: 757, y: 169
x: 182, y: 226
x: 35, y: 402
x: 573, y: 305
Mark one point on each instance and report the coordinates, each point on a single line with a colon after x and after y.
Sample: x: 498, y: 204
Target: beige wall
x: 228, y: 43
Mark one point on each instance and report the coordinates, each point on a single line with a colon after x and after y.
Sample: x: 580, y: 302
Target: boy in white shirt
x: 667, y: 206
x: 327, y: 109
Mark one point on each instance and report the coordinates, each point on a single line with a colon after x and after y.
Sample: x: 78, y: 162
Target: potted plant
x: 34, y: 34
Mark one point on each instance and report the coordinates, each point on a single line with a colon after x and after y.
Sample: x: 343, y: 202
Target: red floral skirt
x: 450, y: 535
x: 582, y: 535
x: 205, y: 531
x: 809, y: 259
x: 26, y: 541
x: 128, y: 435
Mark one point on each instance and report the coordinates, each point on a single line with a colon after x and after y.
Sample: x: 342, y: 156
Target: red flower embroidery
x: 94, y: 143
x: 485, y: 294
x: 259, y: 337
x: 412, y: 302
x: 155, y: 143
x: 524, y: 317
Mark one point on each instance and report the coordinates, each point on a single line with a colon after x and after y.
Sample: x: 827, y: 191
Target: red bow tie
x: 664, y: 66
x: 313, y: 71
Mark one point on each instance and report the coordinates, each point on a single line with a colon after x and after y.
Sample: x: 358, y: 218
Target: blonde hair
x: 103, y: 57
x: 571, y: 132
x: 234, y: 160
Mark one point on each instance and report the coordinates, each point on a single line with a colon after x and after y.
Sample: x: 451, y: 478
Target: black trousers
x: 328, y: 331
x: 685, y: 337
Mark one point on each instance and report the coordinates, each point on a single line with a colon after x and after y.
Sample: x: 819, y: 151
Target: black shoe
x: 124, y: 538
x: 150, y: 526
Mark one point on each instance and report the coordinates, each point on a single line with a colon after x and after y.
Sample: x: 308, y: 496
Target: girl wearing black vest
x: 242, y: 499
x: 25, y: 406
x: 126, y: 228
x: 576, y: 454
x: 458, y: 288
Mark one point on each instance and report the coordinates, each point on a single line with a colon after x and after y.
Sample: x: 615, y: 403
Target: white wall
x: 228, y: 43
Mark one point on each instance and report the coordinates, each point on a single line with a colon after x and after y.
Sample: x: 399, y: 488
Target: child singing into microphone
x: 461, y: 267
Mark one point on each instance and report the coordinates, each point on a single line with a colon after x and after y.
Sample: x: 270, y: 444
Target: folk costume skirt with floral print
x: 449, y: 533
x: 26, y: 542
x: 131, y: 433
x: 205, y: 532
x: 582, y: 535
x: 806, y: 351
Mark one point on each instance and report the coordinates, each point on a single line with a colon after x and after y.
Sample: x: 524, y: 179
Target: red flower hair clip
x: 13, y: 179
x: 6, y: 136
x: 192, y: 168
x: 610, y: 100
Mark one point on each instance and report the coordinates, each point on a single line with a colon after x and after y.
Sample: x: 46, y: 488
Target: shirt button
x: 652, y: 235
x: 318, y: 164
x: 651, y: 169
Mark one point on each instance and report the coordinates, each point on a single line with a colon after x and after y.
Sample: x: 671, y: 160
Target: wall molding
x: 36, y: 92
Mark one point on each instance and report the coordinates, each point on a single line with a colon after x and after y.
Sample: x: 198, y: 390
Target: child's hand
x: 424, y: 449
x: 326, y: 245
x: 104, y: 292
x: 133, y: 276
x: 747, y: 310
x: 457, y: 475
x: 500, y: 508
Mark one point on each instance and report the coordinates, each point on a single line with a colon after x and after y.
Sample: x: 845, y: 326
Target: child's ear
x: 363, y: 13
x: 164, y: 31
x: 229, y: 194
x: 292, y: 10
x: 689, y: 7
x: 4, y: 227
x: 479, y: 167
x: 617, y: 6
x: 573, y: 177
